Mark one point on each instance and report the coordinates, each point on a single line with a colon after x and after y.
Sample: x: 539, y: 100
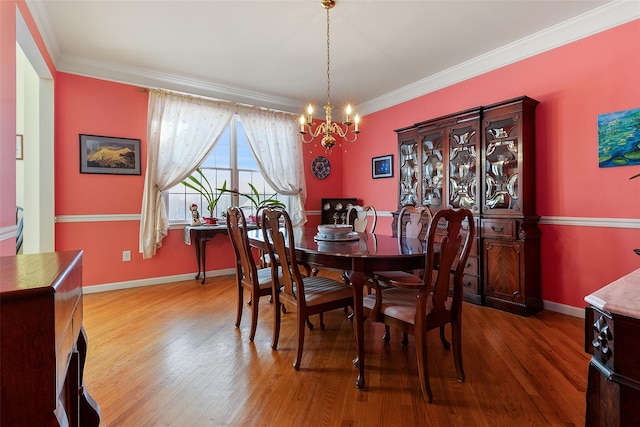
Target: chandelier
x: 328, y: 128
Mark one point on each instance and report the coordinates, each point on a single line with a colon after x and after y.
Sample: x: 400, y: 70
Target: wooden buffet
x: 43, y: 343
x: 612, y: 336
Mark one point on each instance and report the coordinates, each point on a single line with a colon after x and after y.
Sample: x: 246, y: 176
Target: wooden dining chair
x: 418, y: 220
x: 258, y: 282
x: 358, y: 217
x: 432, y: 304
x: 309, y: 294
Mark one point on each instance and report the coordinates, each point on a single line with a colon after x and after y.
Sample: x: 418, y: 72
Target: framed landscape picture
x: 109, y: 155
x: 619, y: 138
x: 382, y: 167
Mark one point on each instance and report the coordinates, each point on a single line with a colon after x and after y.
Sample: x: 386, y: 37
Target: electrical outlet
x: 126, y: 255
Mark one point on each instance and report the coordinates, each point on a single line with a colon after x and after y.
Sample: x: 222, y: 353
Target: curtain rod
x: 206, y: 98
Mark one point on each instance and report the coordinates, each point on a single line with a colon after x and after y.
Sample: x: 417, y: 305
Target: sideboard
x: 612, y: 336
x: 43, y: 343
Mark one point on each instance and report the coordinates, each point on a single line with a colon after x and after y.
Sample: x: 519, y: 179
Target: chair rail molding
x: 97, y: 218
x: 591, y: 222
x: 8, y: 232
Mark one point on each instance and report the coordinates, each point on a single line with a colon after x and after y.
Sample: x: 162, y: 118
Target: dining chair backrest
x: 448, y: 249
x: 419, y: 219
x: 358, y: 217
x: 278, y: 233
x: 237, y: 230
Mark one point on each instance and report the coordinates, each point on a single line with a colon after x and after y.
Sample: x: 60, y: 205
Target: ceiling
x: 273, y: 53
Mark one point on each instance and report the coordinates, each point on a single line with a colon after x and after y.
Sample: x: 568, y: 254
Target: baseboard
x: 153, y: 281
x: 564, y: 309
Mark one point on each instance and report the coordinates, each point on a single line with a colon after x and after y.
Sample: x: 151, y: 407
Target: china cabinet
x: 482, y: 159
x: 334, y: 211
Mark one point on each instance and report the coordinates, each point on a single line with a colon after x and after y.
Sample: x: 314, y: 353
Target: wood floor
x: 169, y: 355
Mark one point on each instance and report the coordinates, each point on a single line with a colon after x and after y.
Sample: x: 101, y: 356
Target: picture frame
x: 382, y: 166
x: 109, y: 155
x: 618, y: 139
x: 19, y: 147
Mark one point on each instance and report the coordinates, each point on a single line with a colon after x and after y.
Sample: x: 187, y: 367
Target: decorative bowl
x: 334, y: 229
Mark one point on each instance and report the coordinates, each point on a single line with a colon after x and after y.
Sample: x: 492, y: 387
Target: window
x: 232, y: 161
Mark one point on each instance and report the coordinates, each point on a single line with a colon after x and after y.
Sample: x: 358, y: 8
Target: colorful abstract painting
x: 619, y: 138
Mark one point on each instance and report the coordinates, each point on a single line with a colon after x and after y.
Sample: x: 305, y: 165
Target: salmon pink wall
x: 574, y: 84
x: 7, y: 122
x: 86, y: 203
x: 331, y: 186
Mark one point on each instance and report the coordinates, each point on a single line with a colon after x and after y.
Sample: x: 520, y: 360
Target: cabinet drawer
x: 504, y: 229
x: 472, y: 266
x: 470, y: 284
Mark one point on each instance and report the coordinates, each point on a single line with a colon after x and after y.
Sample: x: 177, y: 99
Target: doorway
x: 35, y: 122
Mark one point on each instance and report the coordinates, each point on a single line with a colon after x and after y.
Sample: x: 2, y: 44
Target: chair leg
x: 301, y: 322
x: 423, y: 368
x: 456, y: 337
x: 254, y: 318
x: 276, y: 325
x: 445, y: 343
x: 309, y: 324
x: 405, y: 340
x: 322, y: 321
x: 239, y: 308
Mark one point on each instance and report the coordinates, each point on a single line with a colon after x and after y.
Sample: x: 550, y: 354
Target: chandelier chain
x: 328, y: 63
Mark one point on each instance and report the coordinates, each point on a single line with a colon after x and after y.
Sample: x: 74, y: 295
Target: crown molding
x: 154, y: 79
x: 611, y: 15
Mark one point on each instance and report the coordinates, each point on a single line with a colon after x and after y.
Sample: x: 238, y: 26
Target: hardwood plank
x: 170, y: 355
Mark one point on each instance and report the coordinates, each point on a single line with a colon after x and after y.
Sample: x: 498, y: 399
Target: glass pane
x: 501, y: 176
x: 462, y: 167
x: 246, y: 160
x: 220, y: 157
x: 432, y: 170
x: 408, y: 174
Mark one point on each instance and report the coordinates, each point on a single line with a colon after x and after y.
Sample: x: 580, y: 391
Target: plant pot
x: 209, y: 220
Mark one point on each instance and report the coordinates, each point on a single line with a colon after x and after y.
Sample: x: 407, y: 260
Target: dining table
x: 359, y: 258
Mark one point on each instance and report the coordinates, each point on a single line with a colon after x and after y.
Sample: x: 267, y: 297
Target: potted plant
x: 256, y: 200
x: 198, y: 181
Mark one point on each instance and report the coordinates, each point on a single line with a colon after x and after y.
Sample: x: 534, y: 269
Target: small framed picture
x: 19, y: 147
x: 109, y: 155
x: 382, y: 167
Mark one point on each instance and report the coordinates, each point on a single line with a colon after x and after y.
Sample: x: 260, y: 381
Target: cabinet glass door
x: 463, y: 160
x: 433, y: 163
x: 501, y: 168
x: 408, y: 192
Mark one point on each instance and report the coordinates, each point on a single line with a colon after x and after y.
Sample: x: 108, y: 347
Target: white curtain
x: 182, y: 130
x: 273, y: 138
